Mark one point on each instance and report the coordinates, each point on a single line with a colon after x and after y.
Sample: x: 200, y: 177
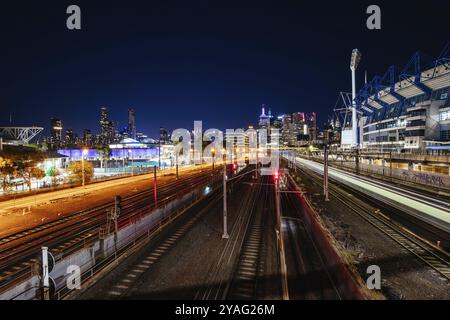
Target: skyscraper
x: 69, y: 141
x: 286, y: 129
x: 131, y: 124
x: 299, y: 132
x: 107, y: 127
x: 163, y: 136
x: 55, y: 133
x: 264, y: 119
x: 311, y: 122
x: 87, y: 138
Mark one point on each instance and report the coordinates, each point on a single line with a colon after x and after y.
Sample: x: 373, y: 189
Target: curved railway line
x: 430, y: 255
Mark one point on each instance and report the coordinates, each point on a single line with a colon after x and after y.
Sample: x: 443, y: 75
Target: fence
x: 439, y: 181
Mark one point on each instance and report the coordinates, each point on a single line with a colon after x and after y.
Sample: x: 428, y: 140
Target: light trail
x: 433, y: 213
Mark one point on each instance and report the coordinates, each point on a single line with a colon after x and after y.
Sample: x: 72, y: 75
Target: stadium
x: 408, y: 109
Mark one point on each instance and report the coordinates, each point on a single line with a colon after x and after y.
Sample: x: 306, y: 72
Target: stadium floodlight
x: 354, y: 61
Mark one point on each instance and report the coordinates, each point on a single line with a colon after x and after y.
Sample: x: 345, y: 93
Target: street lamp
x: 176, y: 162
x: 83, y: 153
x: 213, y: 153
x: 225, y: 222
x: 130, y: 155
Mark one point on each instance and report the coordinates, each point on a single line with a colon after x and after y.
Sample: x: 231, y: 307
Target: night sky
x: 217, y: 61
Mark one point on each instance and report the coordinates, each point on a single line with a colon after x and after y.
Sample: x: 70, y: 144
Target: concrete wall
x: 432, y: 179
x: 23, y: 291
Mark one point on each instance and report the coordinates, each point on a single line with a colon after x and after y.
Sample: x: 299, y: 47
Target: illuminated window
x: 444, y: 115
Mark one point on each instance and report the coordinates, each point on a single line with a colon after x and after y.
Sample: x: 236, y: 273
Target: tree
x: 76, y: 171
x: 26, y: 162
x: 7, y: 169
x: 52, y: 172
x: 105, y: 153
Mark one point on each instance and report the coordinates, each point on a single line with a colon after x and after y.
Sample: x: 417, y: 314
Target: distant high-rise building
x: 311, y: 122
x: 286, y: 129
x: 278, y: 122
x: 107, y: 134
x: 299, y: 132
x: 131, y: 124
x: 69, y: 140
x: 264, y: 119
x: 87, y: 138
x: 163, y: 136
x: 55, y: 133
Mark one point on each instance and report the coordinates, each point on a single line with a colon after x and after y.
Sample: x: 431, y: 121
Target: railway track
x: 249, y: 267
x: 248, y: 277
x: 433, y: 257
x: 217, y: 279
x: 308, y: 275
x: 124, y: 284
x: 18, y: 251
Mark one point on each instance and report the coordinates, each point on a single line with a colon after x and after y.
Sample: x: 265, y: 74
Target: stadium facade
x: 408, y: 111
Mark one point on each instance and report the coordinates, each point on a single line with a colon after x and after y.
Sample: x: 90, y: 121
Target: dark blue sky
x: 217, y: 61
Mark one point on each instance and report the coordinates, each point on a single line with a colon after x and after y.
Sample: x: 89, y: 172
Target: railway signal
x: 47, y: 265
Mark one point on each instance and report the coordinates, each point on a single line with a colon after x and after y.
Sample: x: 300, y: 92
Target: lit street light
x: 83, y: 153
x: 213, y: 153
x: 130, y: 152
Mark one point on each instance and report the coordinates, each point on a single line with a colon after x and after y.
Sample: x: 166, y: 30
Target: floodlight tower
x: 356, y: 58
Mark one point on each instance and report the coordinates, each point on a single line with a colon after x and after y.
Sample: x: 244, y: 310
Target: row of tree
x: 22, y: 163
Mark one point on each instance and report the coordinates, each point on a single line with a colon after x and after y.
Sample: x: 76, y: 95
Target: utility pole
x: 176, y: 164
x: 155, y: 195
x: 82, y: 167
x: 225, y: 228
x: 159, y: 155
x: 325, y: 173
x: 357, y: 160
x: 116, y: 213
x: 257, y: 160
x: 213, y: 153
x: 284, y: 282
x: 390, y: 164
